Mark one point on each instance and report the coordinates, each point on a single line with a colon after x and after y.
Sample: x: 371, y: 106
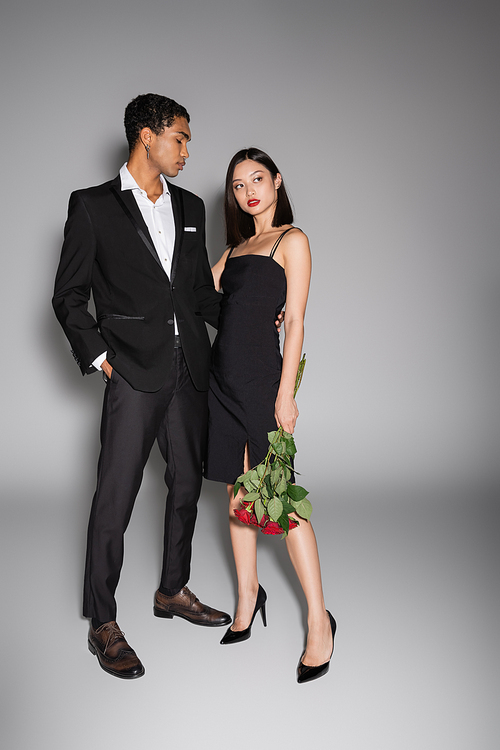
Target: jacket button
x: 170, y: 322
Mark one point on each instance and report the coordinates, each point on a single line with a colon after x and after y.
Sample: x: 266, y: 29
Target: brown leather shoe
x: 115, y: 655
x: 185, y: 604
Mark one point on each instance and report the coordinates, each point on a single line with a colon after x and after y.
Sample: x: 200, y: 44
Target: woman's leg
x: 244, y: 541
x: 303, y: 551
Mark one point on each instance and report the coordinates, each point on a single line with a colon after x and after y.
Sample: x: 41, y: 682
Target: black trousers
x: 175, y: 416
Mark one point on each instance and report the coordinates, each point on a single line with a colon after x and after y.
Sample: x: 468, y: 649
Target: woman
x: 267, y: 264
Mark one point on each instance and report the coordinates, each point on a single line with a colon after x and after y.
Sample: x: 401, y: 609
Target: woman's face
x: 254, y: 188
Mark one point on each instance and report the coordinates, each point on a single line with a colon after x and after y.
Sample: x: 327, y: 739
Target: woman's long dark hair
x: 240, y: 225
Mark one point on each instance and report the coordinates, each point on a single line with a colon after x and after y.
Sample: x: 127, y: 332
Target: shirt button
x: 170, y: 322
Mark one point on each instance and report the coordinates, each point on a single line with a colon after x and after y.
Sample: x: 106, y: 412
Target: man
x: 138, y: 244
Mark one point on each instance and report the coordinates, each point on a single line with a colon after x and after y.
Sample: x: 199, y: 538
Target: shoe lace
x: 114, y: 634
x: 192, y: 597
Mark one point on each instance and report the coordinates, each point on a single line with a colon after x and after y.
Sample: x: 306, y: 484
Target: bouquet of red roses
x: 271, y: 496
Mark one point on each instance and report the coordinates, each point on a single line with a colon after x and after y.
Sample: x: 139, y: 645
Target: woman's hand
x: 286, y: 413
x: 279, y: 321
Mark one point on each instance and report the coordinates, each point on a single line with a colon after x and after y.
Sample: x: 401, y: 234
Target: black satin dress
x: 246, y: 364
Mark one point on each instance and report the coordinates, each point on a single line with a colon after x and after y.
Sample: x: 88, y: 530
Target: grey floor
x: 412, y: 579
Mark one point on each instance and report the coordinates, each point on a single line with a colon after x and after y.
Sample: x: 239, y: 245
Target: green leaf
x: 261, y: 470
x: 237, y: 488
x: 251, y: 497
x: 284, y: 522
x: 250, y: 485
x: 290, y: 446
x: 274, y: 508
x: 285, y: 461
x: 287, y: 508
x: 277, y: 438
x: 272, y: 436
x: 279, y: 448
x: 259, y: 509
x: 281, y: 487
x: 296, y: 492
x: 303, y: 508
x: 300, y: 372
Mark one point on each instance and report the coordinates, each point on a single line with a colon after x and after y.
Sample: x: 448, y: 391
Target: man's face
x: 168, y: 151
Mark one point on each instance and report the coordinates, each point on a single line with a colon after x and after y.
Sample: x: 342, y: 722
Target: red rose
x: 272, y: 528
x: 266, y: 525
x: 243, y: 515
x: 246, y: 516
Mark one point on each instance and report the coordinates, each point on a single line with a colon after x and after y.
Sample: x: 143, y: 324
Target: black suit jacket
x: 108, y: 251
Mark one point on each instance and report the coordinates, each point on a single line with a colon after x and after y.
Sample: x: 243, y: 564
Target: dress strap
x: 230, y: 251
x: 275, y: 246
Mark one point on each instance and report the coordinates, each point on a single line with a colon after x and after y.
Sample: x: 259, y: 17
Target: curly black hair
x: 150, y: 111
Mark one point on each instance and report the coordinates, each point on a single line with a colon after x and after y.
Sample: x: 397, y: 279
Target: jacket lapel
x: 129, y: 206
x: 178, y: 211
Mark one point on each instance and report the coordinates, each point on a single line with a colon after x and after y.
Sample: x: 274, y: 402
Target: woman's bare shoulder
x: 296, y: 240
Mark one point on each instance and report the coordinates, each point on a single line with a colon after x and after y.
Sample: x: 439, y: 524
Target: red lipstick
x: 253, y: 203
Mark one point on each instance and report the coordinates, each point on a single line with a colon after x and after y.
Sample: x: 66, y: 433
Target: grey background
x: 384, y: 119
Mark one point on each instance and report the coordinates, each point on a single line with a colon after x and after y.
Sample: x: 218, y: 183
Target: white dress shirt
x: 159, y: 219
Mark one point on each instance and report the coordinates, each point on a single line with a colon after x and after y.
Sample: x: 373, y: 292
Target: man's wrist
x: 106, y: 368
x: 99, y: 360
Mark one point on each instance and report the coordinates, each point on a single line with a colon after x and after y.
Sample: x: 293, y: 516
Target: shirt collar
x: 128, y: 182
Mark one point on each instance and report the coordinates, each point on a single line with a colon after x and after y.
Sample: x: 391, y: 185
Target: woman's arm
x: 218, y: 269
x: 296, y: 257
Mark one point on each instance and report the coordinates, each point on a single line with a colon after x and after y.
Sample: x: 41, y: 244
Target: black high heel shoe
x: 305, y: 673
x: 235, y: 636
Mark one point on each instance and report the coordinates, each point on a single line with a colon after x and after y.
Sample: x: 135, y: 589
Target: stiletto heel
x: 236, y: 636
x: 305, y: 673
x: 263, y: 613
